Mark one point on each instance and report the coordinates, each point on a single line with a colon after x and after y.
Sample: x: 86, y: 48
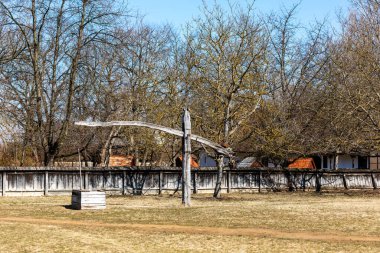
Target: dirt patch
x: 253, y: 232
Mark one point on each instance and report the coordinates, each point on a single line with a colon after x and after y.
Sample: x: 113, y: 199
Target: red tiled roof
x: 302, y: 163
x: 193, y: 161
x: 121, y: 160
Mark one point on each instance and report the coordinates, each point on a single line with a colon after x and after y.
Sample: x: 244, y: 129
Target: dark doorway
x: 362, y: 162
x: 317, y: 162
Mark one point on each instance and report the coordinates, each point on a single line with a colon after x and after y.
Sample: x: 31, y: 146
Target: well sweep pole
x: 186, y: 156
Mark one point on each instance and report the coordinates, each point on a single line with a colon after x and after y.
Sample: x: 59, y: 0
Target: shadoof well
x: 186, y: 145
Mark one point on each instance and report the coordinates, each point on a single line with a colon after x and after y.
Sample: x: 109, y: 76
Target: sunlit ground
x: 271, y: 222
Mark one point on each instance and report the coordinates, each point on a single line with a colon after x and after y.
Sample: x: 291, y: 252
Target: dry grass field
x: 272, y: 222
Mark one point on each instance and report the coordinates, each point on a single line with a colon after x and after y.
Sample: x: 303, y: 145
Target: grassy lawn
x: 272, y: 222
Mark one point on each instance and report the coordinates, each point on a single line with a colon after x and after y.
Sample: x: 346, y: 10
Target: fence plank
x: 46, y: 183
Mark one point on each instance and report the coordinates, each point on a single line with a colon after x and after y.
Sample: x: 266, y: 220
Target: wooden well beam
x: 217, y: 147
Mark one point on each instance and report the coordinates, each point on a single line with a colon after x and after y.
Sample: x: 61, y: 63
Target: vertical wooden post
x: 344, y: 182
x: 304, y: 181
x: 195, y: 179
x: 317, y: 182
x: 160, y: 177
x: 290, y: 181
x: 86, y: 183
x: 186, y: 156
x: 104, y: 181
x: 80, y: 171
x: 4, y: 188
x: 46, y: 183
x: 373, y: 182
x: 229, y: 181
x: 124, y: 181
x: 260, y: 177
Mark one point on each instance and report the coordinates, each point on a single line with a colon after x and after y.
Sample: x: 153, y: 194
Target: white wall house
x: 345, y: 162
x: 326, y: 162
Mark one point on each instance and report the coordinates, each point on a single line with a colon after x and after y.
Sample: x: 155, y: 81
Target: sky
x: 178, y: 12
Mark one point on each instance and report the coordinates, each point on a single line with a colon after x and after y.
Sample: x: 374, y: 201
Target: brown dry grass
x: 280, y: 222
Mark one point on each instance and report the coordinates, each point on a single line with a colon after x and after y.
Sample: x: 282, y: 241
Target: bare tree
x: 55, y: 34
x: 284, y: 125
x: 228, y: 50
x: 356, y: 71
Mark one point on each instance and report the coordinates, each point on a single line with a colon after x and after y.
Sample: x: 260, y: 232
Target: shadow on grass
x: 70, y: 207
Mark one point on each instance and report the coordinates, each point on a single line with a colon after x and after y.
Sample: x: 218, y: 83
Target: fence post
x: 46, y: 183
x: 228, y: 180
x: 303, y: 181
x: 4, y: 188
x: 317, y: 182
x: 86, y: 183
x: 160, y: 177
x: 373, y: 182
x: 344, y: 181
x: 103, y: 181
x: 260, y: 177
x: 195, y: 179
x: 124, y: 181
x: 290, y: 181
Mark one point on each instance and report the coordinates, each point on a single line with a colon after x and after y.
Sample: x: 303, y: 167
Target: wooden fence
x: 140, y: 180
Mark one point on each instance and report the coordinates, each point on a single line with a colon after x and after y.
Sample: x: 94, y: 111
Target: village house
x: 205, y: 160
x: 326, y: 162
x: 351, y: 161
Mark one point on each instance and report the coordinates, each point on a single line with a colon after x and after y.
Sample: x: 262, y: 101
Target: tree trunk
x: 218, y: 186
x: 336, y: 162
x: 145, y: 157
x: 71, y: 89
x: 108, y: 146
x: 137, y: 157
x: 226, y: 123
